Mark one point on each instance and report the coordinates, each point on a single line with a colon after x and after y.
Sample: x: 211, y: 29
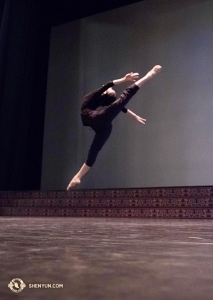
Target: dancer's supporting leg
x: 77, y: 178
x: 99, y: 140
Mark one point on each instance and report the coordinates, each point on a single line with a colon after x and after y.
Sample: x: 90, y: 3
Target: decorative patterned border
x: 114, y: 193
x: 175, y: 202
x: 109, y: 212
x: 110, y: 203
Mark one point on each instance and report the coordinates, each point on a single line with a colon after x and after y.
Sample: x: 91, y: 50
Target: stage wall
x: 175, y: 147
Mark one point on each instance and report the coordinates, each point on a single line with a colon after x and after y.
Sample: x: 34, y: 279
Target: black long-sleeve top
x: 92, y: 100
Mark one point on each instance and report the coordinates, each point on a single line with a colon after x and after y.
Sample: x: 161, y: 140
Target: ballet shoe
x: 73, y: 184
x: 155, y: 70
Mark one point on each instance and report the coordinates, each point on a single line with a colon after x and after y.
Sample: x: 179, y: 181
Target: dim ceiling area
x: 63, y: 11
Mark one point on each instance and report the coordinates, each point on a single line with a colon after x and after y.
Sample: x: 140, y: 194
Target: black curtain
x: 24, y: 49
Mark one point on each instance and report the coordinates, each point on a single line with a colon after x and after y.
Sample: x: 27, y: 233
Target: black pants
x: 101, y: 122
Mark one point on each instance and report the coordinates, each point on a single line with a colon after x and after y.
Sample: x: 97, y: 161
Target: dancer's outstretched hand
x: 140, y: 120
x: 135, y: 117
x: 131, y: 77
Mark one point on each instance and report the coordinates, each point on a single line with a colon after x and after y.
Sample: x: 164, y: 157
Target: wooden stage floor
x: 106, y: 258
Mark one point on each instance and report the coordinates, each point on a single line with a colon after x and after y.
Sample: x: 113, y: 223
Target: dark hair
x: 107, y: 99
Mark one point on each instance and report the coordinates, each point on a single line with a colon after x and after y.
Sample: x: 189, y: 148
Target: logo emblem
x: 16, y: 285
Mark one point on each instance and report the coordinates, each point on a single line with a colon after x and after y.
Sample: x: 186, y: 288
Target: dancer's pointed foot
x: 155, y: 70
x: 73, y: 183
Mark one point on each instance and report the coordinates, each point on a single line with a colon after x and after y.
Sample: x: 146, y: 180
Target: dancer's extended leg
x: 109, y: 113
x: 140, y: 82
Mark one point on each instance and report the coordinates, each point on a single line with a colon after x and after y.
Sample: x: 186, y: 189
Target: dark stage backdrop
x: 175, y: 147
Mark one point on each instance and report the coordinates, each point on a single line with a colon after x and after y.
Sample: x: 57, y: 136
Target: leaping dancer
x: 101, y: 120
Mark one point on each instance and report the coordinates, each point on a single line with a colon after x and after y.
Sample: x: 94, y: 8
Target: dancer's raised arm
x: 128, y: 77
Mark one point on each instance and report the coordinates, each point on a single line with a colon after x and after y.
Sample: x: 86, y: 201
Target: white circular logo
x: 16, y: 285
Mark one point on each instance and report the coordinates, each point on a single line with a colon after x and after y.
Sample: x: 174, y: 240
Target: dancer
x: 101, y: 120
